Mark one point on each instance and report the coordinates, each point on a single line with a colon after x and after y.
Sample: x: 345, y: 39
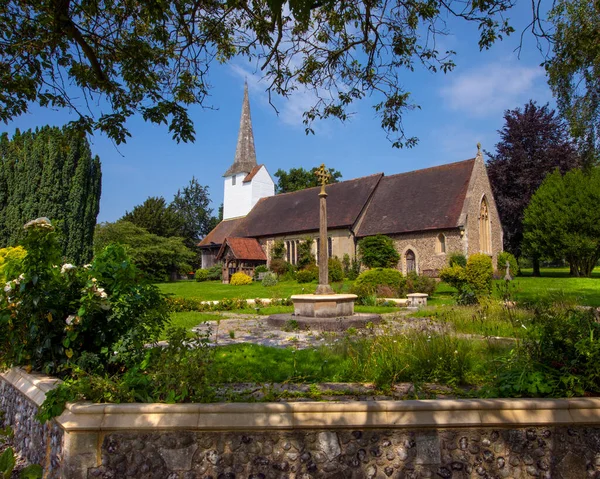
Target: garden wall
x: 368, y: 439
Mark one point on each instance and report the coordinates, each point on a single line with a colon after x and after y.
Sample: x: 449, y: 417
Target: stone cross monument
x: 323, y: 177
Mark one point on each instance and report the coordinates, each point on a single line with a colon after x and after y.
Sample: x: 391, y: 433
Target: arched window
x: 294, y: 255
x: 440, y: 244
x: 288, y: 251
x: 411, y: 263
x: 485, y: 243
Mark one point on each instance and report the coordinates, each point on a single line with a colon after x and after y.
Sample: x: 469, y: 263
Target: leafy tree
x: 157, y: 257
x: 562, y: 220
x: 299, y: 179
x: 153, y: 59
x: 50, y: 173
x: 157, y: 217
x: 574, y: 70
x: 306, y: 258
x: 534, y: 141
x: 378, y: 252
x: 191, y: 204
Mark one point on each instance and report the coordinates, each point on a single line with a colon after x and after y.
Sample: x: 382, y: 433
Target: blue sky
x: 458, y: 110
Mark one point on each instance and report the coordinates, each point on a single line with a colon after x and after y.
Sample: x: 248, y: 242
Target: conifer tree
x: 50, y: 172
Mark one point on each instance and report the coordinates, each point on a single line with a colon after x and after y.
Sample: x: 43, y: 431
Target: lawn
x: 215, y: 290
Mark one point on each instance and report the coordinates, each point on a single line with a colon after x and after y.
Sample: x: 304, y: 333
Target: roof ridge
x: 330, y: 184
x: 454, y: 163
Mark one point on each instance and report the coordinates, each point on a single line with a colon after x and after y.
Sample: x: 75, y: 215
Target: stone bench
x: 417, y: 300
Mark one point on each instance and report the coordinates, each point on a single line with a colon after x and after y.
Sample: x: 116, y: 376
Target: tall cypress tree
x: 50, y: 172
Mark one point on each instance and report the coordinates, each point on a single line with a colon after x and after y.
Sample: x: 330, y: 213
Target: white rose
x: 66, y: 267
x: 8, y: 287
x: 70, y: 319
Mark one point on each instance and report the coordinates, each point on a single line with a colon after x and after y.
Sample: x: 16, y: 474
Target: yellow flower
x: 49, y: 316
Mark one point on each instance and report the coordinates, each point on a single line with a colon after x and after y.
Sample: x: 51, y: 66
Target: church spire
x: 245, y: 155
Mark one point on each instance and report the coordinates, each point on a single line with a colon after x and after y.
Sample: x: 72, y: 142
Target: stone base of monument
x: 323, y: 312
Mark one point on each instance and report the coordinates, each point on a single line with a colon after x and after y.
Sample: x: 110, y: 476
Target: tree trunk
x: 536, y: 266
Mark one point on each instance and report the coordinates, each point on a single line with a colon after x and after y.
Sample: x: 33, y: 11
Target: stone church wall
x: 480, y: 187
x: 424, y: 246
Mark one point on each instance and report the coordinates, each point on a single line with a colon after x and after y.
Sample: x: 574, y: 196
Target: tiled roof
x: 224, y: 229
x: 243, y: 249
x: 418, y: 200
x: 251, y: 175
x: 298, y: 211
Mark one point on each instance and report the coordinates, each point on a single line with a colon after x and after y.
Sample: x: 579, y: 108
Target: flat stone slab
x: 323, y: 305
x: 341, y: 323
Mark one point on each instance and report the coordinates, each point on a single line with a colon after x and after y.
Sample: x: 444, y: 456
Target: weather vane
x: 323, y: 176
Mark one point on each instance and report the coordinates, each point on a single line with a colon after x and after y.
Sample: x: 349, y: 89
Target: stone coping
x: 435, y: 413
x: 323, y: 297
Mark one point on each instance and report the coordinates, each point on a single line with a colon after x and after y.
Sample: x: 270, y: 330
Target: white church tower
x: 246, y: 182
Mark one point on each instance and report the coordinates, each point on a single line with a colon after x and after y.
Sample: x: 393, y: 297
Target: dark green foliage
x: 52, y: 316
x: 501, y: 263
x: 279, y: 266
x: 300, y: 179
x: 336, y: 270
x: 378, y: 252
x: 368, y: 281
x: 354, y: 269
x: 261, y: 268
x: 278, y: 250
x: 308, y: 274
x: 305, y: 255
x: 157, y: 257
x: 50, y: 173
x: 534, y: 141
x: 156, y: 217
x: 215, y: 273
x: 192, y: 205
x: 457, y: 259
x: 574, y: 71
x: 346, y: 264
x: 559, y: 356
x: 563, y: 221
x: 479, y: 273
x: 413, y: 283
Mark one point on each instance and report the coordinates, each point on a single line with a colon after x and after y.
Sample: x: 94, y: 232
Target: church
x: 429, y: 213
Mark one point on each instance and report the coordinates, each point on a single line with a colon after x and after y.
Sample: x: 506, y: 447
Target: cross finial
x: 478, y: 148
x: 323, y: 176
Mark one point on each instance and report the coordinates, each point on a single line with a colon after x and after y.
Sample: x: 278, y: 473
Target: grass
x: 189, y: 320
x: 384, y: 360
x: 215, y: 290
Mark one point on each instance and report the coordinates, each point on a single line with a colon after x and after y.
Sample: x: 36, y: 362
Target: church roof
x: 419, y: 200
x: 252, y: 174
x: 244, y: 249
x: 245, y: 154
x: 298, y: 211
x: 224, y: 229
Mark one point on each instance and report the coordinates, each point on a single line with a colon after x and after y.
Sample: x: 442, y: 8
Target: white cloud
x: 490, y: 89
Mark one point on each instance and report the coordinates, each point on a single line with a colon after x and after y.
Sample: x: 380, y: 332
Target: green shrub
x: 336, y: 270
x: 11, y: 262
x: 367, y: 282
x: 278, y: 250
x: 456, y: 276
x: 240, y: 279
x: 269, y: 280
x: 501, y: 264
x: 479, y: 273
x: 346, y: 263
x: 354, y: 269
x: 308, y: 275
x: 50, y: 316
x: 279, y: 266
x: 457, y: 259
x: 201, y: 275
x: 419, y: 284
x: 305, y: 256
x: 215, y: 273
x: 261, y: 268
x: 378, y: 252
x: 559, y: 356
